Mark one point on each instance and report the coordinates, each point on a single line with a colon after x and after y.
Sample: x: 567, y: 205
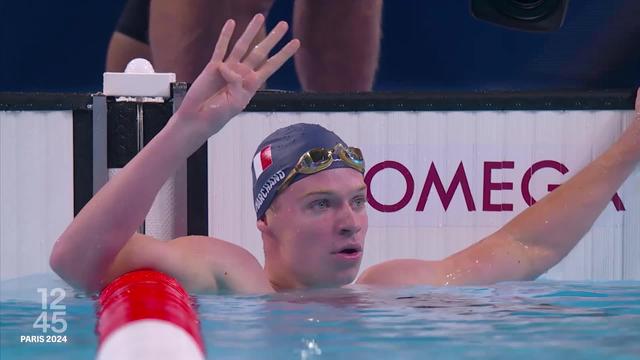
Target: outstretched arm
x: 84, y: 252
x: 542, y: 235
x: 536, y: 239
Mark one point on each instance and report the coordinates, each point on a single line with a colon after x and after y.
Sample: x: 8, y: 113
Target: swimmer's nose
x: 350, y: 231
x: 347, y: 222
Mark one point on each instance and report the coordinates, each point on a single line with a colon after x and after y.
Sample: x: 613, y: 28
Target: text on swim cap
x: 267, y: 187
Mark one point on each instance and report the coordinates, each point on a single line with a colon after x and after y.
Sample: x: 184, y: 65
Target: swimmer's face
x: 314, y: 232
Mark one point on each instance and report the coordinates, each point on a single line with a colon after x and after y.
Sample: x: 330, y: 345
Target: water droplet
x: 311, y: 349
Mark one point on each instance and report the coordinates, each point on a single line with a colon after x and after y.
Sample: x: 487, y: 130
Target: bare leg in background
x: 340, y: 43
x: 183, y: 33
x: 340, y: 39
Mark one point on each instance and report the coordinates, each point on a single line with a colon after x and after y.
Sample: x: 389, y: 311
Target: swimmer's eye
x: 359, y: 201
x: 319, y: 204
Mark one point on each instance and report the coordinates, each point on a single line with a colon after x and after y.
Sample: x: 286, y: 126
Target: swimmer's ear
x: 262, y: 225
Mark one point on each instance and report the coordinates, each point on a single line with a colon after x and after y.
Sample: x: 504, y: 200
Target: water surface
x: 524, y: 320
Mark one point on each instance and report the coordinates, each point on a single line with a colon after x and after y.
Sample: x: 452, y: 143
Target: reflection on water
x: 520, y: 319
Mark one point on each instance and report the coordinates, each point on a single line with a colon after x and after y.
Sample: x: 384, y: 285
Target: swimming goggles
x: 318, y: 159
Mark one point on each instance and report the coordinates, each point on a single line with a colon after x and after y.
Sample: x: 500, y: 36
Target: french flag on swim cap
x: 262, y: 160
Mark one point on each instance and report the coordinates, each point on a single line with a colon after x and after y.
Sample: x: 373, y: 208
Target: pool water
x: 524, y: 320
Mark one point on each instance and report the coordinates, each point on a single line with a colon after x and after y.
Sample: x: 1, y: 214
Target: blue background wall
x: 429, y: 44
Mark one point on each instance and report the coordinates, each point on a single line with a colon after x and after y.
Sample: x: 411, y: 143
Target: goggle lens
x: 354, y: 154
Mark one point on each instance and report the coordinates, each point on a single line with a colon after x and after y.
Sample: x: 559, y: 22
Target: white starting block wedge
x: 138, y: 80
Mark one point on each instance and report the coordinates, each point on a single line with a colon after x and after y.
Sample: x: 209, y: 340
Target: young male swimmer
x: 309, y: 195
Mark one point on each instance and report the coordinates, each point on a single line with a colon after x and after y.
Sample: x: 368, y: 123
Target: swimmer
x: 310, y: 202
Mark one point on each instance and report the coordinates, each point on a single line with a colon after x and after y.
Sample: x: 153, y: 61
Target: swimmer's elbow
x: 60, y: 265
x: 65, y: 266
x: 57, y: 260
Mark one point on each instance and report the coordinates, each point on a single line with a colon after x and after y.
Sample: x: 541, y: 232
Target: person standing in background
x: 341, y: 39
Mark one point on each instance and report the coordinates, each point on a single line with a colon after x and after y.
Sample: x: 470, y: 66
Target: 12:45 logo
x: 52, y: 315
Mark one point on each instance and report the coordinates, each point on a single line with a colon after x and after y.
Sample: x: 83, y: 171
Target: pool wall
x: 36, y: 187
x: 499, y: 151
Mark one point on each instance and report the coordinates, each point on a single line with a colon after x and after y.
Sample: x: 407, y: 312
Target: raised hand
x: 226, y: 86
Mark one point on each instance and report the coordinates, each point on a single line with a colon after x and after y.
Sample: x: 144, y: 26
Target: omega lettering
x: 460, y: 181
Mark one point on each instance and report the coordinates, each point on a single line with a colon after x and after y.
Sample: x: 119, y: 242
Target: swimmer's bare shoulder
x: 201, y: 264
x: 403, y: 272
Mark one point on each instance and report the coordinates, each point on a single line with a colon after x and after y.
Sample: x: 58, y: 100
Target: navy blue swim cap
x: 279, y: 153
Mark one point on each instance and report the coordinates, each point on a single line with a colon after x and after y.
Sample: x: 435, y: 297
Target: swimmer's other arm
x: 201, y: 264
x: 98, y: 245
x: 86, y: 250
x: 536, y: 239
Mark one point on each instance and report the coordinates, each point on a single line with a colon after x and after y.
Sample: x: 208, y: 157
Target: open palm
x: 226, y: 86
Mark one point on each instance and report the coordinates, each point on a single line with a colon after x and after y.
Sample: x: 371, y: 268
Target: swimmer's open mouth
x: 349, y: 250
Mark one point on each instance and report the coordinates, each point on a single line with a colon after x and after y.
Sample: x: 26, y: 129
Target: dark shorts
x: 134, y: 21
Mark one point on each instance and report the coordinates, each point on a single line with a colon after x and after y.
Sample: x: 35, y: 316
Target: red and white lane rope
x: 146, y: 314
